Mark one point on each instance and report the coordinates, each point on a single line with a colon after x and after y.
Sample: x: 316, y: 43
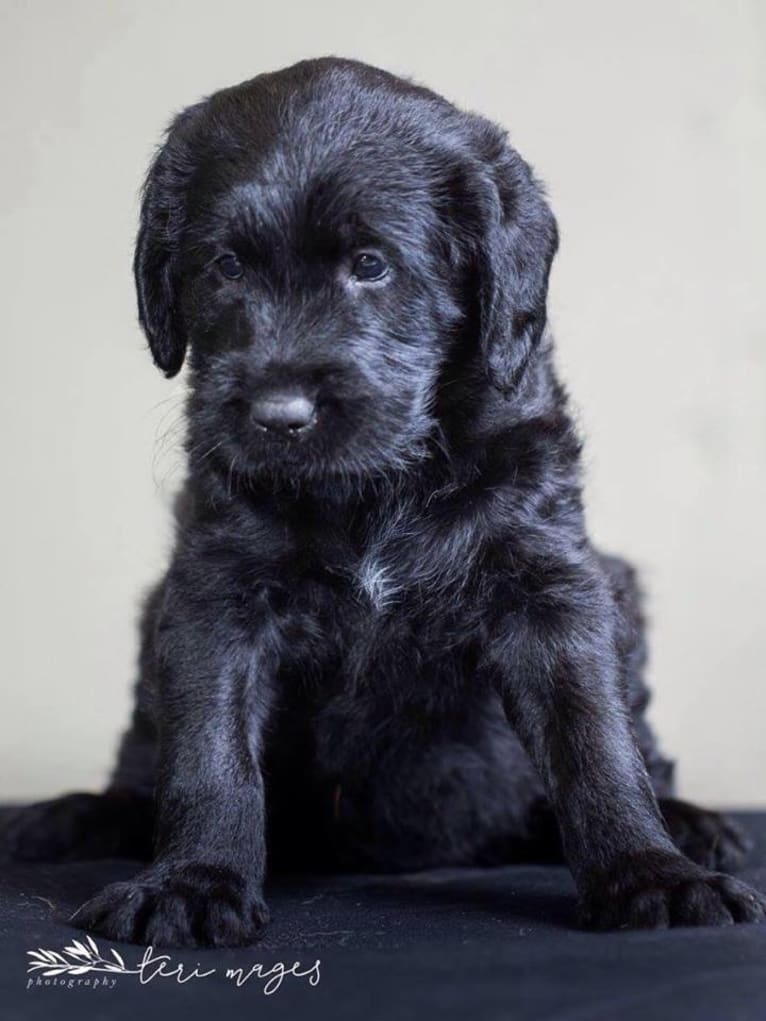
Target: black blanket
x: 473, y: 944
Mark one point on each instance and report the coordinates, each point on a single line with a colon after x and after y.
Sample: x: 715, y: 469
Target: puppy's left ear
x: 163, y: 215
x: 514, y: 253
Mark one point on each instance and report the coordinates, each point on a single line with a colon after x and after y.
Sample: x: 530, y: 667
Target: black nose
x: 284, y: 412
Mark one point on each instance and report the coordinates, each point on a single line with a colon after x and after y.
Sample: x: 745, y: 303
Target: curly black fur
x: 385, y: 640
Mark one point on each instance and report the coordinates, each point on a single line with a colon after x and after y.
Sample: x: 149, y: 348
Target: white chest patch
x: 378, y: 583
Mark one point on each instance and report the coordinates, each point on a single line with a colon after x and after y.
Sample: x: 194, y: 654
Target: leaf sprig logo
x: 76, y: 959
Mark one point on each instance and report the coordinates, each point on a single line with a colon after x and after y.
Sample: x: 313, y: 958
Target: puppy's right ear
x: 163, y: 216
x: 520, y: 242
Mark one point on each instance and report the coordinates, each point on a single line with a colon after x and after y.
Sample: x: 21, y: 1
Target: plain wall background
x: 648, y: 122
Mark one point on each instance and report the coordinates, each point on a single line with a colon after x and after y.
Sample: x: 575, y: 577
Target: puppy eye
x: 368, y: 266
x: 230, y: 267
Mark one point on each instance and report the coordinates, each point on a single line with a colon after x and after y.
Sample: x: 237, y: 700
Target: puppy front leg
x: 204, y: 887
x: 560, y: 687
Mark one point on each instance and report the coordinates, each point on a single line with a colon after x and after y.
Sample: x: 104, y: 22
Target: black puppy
x: 385, y: 640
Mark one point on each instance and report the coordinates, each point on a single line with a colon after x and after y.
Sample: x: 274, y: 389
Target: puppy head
x: 323, y: 241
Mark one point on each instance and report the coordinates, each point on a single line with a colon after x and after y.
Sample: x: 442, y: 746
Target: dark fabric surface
x: 472, y: 944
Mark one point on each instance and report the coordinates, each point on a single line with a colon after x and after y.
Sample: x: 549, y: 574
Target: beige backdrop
x: 647, y: 120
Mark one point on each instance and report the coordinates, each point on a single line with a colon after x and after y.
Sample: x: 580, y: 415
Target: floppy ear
x: 163, y: 214
x: 514, y: 258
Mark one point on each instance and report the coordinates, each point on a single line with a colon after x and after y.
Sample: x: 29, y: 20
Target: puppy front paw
x: 178, y: 905
x: 658, y: 889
